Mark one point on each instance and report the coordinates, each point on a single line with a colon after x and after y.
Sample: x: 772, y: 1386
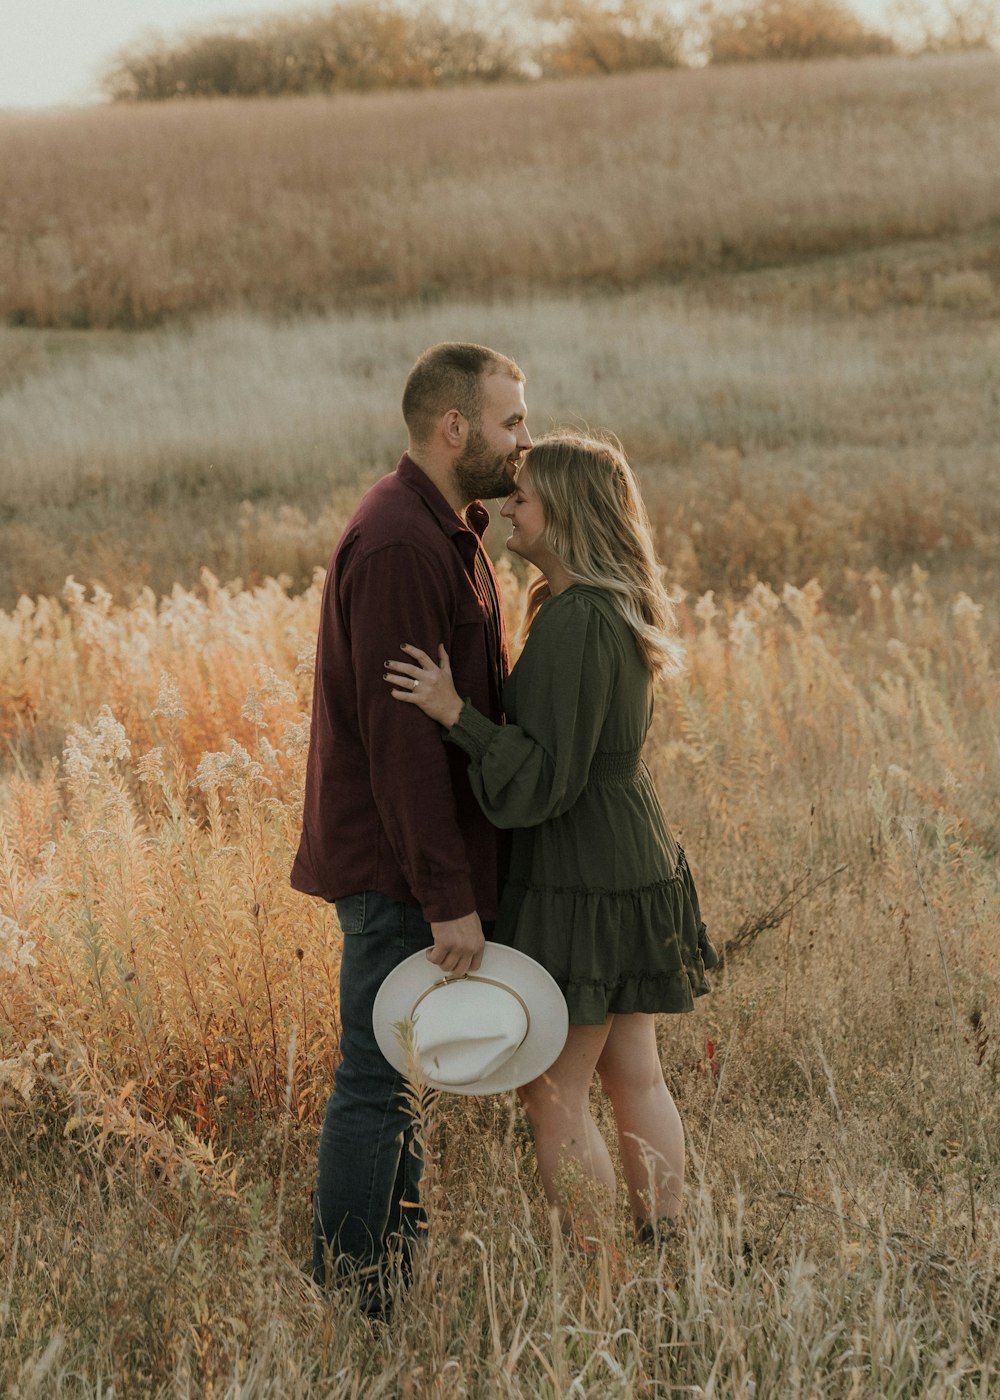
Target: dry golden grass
x: 168, y: 1019
x: 168, y: 1007
x: 786, y: 424
x: 127, y: 216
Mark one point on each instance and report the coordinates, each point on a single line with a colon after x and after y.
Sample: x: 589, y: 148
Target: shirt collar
x: 477, y: 517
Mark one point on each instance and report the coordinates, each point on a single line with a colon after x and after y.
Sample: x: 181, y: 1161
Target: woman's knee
x: 630, y: 1076
x: 621, y: 1084
x: 546, y: 1102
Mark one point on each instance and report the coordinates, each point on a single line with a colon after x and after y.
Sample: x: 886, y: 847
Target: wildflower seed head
x: 273, y: 689
x: 89, y: 750
x: 15, y: 947
x: 150, y: 767
x: 74, y: 593
x: 295, y: 736
x: 234, y: 769
x: 705, y: 609
x: 763, y: 602
x: 169, y: 703
x: 253, y: 708
x: 963, y: 609
x: 803, y: 603
x: 270, y: 756
x: 305, y: 662
x: 743, y: 634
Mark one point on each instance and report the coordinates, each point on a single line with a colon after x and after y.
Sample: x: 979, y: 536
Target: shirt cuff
x: 472, y: 731
x: 455, y: 903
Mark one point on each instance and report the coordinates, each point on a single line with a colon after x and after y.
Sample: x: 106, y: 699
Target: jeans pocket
x: 351, y: 913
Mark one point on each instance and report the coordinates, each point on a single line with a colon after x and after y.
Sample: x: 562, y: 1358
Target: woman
x: 599, y: 891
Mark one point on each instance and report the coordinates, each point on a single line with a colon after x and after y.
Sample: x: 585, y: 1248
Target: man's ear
x: 454, y: 427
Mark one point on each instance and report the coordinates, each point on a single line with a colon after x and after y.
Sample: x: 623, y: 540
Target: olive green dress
x: 599, y: 891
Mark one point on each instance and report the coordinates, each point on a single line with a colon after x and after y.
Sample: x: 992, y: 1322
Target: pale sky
x: 52, y: 51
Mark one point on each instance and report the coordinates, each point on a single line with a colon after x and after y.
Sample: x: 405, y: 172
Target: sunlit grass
x: 168, y: 1019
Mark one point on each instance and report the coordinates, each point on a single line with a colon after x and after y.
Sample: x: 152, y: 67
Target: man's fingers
x: 454, y: 963
x: 458, y: 945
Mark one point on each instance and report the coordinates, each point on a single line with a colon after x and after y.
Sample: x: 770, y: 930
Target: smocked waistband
x: 616, y: 768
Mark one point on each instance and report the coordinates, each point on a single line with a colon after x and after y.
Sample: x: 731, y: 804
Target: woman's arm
x: 526, y: 773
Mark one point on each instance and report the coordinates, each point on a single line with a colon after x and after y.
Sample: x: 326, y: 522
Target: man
x: 391, y: 830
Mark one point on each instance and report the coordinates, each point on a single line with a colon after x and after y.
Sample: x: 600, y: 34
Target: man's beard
x: 479, y: 472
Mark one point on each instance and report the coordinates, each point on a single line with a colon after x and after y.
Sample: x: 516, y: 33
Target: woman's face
x: 524, y: 511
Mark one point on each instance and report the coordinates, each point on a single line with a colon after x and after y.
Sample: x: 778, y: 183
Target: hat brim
x: 548, y: 1016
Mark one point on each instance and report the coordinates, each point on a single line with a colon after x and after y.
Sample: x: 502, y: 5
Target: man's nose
x: 524, y: 438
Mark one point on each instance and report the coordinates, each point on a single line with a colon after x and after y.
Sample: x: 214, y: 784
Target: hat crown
x: 467, y: 1028
x: 484, y: 1033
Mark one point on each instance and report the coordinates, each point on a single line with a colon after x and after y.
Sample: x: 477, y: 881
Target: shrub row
x: 367, y: 44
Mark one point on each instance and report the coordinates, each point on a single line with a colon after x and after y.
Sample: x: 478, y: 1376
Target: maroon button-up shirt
x: 388, y: 805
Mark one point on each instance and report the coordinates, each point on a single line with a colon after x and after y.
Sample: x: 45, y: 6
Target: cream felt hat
x: 490, y: 1030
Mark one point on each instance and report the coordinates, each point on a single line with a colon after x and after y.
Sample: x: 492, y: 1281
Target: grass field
x: 126, y: 217
x: 815, y: 412
x: 169, y: 1015
x: 781, y: 431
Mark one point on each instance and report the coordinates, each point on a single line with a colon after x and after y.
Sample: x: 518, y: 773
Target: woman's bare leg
x: 650, y: 1133
x: 566, y: 1137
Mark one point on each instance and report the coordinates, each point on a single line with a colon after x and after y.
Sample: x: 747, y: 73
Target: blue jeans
x: 366, y: 1201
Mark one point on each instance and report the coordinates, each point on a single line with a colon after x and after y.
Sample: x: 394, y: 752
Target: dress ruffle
x: 614, y: 951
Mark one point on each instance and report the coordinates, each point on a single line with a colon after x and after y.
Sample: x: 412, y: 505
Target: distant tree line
x: 360, y: 45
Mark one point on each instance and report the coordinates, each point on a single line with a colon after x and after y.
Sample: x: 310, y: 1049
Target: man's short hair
x: 450, y: 376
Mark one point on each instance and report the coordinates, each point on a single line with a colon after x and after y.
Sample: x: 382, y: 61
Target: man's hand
x: 458, y: 945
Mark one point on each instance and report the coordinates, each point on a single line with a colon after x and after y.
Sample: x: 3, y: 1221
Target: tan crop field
x: 812, y: 396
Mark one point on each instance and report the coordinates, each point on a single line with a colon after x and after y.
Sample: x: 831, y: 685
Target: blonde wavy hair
x: 596, y: 523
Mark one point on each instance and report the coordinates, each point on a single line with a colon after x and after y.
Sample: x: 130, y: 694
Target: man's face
x: 488, y: 461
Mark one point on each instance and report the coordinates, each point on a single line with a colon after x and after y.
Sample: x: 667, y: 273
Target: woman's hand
x: 422, y: 683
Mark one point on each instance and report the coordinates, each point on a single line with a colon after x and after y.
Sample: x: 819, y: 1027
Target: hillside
x: 127, y: 216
